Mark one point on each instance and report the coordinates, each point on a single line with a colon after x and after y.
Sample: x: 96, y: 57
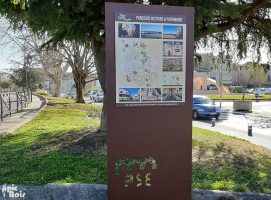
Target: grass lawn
x: 61, y: 146
x: 42, y: 151
x: 240, y: 96
x: 226, y: 163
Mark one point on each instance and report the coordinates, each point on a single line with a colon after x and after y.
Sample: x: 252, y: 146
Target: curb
x: 227, y: 195
x: 43, y: 104
x: 232, y: 100
x: 99, y: 192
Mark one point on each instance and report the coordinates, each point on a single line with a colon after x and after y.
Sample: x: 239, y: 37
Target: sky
x: 170, y: 29
x: 7, y: 54
x: 251, y: 55
x: 132, y: 91
x: 147, y: 27
x: 8, y: 50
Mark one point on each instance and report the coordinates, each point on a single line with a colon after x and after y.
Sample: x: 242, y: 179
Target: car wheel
x: 217, y: 117
x: 195, y: 114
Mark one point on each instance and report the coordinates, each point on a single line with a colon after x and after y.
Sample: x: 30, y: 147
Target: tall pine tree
x: 83, y: 21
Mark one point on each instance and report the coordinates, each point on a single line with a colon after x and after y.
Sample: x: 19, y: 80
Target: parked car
x: 99, y: 97
x: 204, y: 107
x: 93, y: 94
x: 262, y: 91
x: 212, y: 87
x: 236, y: 89
x: 250, y: 91
x: 96, y: 96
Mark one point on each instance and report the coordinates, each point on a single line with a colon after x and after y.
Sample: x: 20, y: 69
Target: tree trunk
x: 59, y: 84
x: 80, y: 83
x: 98, y: 49
x: 55, y: 87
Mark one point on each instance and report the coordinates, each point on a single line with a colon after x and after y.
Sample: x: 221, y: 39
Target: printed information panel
x: 150, y: 59
x: 149, y: 89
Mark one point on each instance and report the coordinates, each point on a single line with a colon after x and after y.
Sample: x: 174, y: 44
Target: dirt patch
x: 88, y: 144
x: 82, y: 142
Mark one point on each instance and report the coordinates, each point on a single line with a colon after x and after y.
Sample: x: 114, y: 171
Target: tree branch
x: 88, y: 81
x: 234, y: 22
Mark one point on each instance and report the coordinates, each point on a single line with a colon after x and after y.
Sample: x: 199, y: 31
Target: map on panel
x: 138, y: 64
x: 150, y: 60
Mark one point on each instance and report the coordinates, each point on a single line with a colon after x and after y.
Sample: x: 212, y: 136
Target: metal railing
x: 13, y: 102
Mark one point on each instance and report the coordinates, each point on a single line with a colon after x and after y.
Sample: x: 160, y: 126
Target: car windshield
x: 201, y: 100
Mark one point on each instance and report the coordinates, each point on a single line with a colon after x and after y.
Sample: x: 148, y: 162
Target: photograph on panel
x: 150, y: 94
x: 173, y: 48
x: 127, y: 30
x: 172, y: 94
x: 172, y: 32
x: 151, y: 31
x: 173, y: 64
x: 129, y: 94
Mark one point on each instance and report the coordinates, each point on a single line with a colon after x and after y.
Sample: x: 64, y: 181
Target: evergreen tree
x: 26, y: 78
x: 83, y: 21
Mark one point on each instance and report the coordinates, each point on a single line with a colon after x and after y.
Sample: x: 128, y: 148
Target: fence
x: 13, y: 102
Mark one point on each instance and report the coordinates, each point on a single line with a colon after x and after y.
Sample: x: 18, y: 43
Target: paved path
x: 236, y: 123
x: 16, y: 120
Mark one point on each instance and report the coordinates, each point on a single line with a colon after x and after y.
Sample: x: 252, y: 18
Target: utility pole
x: 221, y: 85
x: 27, y: 64
x: 1, y: 81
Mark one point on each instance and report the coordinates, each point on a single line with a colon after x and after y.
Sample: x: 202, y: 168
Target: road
x: 236, y: 123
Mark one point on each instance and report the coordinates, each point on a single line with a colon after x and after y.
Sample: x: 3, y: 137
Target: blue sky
x: 7, y: 54
x: 149, y: 27
x: 132, y: 91
x: 8, y: 50
x: 170, y: 29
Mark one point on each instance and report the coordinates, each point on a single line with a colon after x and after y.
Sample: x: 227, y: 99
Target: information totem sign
x: 149, y: 72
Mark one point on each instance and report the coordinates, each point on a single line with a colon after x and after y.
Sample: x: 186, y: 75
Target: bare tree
x: 80, y: 59
x: 49, y: 59
x: 29, y: 45
x: 55, y: 60
x: 54, y: 67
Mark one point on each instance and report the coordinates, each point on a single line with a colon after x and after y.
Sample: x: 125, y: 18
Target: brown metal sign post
x: 149, y: 58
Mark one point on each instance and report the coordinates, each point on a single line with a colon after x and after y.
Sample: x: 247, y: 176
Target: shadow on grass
x: 58, y: 103
x: 70, y: 158
x: 220, y: 167
x: 83, y: 142
x: 47, y: 150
